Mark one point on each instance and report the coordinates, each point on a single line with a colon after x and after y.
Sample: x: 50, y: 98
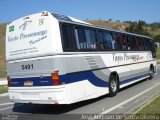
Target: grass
x: 2, y: 50
x: 3, y: 89
x: 152, y: 108
x: 158, y: 53
x: 149, y: 112
x: 109, y: 24
x: 2, y: 67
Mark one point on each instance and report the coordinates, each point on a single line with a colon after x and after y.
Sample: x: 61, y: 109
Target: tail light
x: 9, y: 81
x: 55, y: 78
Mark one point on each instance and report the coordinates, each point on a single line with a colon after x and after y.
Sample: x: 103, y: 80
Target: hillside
x: 109, y: 24
x: 153, y: 28
x: 2, y: 49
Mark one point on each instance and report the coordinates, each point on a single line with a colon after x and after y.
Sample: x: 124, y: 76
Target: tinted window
x: 122, y: 42
x: 148, y: 44
x: 80, y: 38
x: 144, y: 44
x: 90, y: 38
x: 85, y: 38
x: 100, y: 40
x: 139, y: 44
x: 114, y: 40
x: 151, y: 47
x: 107, y: 40
x: 65, y: 37
x: 131, y: 42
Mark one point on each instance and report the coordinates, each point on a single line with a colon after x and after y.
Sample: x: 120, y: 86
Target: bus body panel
x: 63, y: 94
x: 34, y: 50
x: 78, y: 86
x: 28, y: 37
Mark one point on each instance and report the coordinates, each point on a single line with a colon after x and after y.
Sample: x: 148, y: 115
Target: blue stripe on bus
x: 86, y: 75
x: 69, y: 78
x: 133, y: 79
x: 37, y: 81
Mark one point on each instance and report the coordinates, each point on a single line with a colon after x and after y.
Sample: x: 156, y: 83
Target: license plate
x: 28, y: 83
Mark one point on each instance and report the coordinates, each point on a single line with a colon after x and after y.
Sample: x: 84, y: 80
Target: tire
x: 113, y: 86
x: 151, y: 73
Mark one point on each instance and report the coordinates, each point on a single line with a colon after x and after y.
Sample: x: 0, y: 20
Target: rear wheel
x: 151, y: 73
x: 113, y: 86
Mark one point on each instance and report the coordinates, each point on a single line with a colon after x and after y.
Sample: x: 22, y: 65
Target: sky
x: 132, y: 10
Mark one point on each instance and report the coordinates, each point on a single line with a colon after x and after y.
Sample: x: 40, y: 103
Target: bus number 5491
x: 27, y: 67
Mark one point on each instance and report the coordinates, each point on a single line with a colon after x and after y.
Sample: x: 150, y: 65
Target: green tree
x: 157, y: 38
x: 155, y: 26
x: 138, y: 28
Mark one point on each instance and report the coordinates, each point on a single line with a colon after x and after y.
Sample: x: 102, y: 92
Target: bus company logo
x: 11, y: 28
x: 24, y: 25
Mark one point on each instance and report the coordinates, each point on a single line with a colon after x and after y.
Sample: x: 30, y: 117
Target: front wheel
x: 113, y: 86
x: 151, y: 73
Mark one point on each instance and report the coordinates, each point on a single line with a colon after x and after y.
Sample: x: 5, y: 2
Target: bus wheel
x: 151, y: 73
x: 113, y: 86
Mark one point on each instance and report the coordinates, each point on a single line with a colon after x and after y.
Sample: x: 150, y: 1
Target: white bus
x: 57, y: 59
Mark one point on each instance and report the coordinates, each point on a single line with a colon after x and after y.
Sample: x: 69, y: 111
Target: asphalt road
x: 127, y: 101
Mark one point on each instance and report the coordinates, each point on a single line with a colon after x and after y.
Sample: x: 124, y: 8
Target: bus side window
x: 90, y: 39
x: 100, y: 40
x: 65, y: 36
x: 130, y: 42
x: 107, y: 40
x: 119, y: 42
x: 144, y: 44
x: 122, y: 42
x: 151, y: 47
x: 80, y: 38
x: 137, y: 44
x: 114, y: 40
x: 148, y: 44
